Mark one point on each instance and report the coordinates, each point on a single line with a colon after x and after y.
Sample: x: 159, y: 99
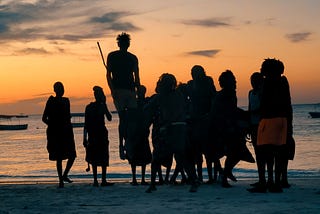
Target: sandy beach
x: 82, y: 197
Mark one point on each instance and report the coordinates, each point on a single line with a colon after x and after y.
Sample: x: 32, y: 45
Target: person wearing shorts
x: 123, y: 80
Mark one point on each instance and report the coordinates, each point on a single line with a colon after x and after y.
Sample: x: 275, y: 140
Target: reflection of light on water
x: 23, y: 154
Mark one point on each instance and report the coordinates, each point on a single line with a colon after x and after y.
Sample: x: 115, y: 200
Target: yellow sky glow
x: 165, y: 38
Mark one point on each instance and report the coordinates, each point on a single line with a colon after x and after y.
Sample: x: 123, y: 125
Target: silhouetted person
x: 161, y: 154
x: 254, y: 109
x: 229, y: 135
x: 182, y: 89
x: 201, y: 90
x: 95, y: 135
x: 173, y: 127
x: 123, y: 80
x: 60, y: 138
x: 276, y: 120
x: 137, y: 145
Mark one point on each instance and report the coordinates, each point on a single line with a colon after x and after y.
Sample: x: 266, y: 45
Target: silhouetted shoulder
x: 113, y: 53
x: 134, y: 57
x: 51, y: 99
x: 89, y: 106
x: 209, y: 79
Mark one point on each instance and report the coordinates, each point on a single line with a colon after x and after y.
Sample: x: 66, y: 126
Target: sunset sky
x: 44, y: 41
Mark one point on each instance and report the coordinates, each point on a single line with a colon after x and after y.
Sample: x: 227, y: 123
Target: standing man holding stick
x: 123, y: 80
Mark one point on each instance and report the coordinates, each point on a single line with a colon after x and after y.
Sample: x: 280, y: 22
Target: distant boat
x: 22, y: 116
x: 77, y: 120
x: 14, y: 127
x: 8, y: 124
x: 315, y: 114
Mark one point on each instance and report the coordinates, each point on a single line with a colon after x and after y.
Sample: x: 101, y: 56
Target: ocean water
x: 23, y: 154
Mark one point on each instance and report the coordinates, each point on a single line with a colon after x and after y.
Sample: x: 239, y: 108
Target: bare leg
x: 154, y: 167
x: 167, y: 178
x: 143, y: 173
x: 103, y: 174
x: 209, y: 170
x: 67, y: 169
x: 183, y: 176
x: 159, y: 171
x: 95, y: 175
x: 284, y: 175
x: 261, y: 158
x: 104, y: 177
x: 230, y: 163
x: 199, y: 170
x: 133, y: 171
x: 59, y: 171
x: 175, y: 174
x: 122, y: 132
x: 217, y: 169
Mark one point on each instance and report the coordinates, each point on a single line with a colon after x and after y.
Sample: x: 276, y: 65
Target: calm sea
x: 23, y: 154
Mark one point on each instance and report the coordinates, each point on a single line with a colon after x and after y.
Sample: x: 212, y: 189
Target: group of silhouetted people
x: 189, y: 122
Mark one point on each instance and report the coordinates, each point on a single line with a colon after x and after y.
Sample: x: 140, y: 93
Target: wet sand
x: 82, y: 197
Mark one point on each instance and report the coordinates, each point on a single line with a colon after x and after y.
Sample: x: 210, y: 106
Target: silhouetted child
x: 227, y: 128
x: 161, y: 154
x: 95, y: 135
x: 137, y: 143
x: 60, y: 138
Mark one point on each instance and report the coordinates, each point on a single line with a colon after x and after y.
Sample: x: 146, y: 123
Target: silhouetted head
x: 227, y: 80
x: 197, y: 72
x: 58, y: 89
x: 166, y: 83
x: 272, y: 67
x: 141, y: 91
x: 99, y: 94
x: 183, y: 88
x: 256, y: 80
x: 123, y: 40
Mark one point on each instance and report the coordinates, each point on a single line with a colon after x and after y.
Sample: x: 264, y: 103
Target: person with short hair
x: 123, y: 80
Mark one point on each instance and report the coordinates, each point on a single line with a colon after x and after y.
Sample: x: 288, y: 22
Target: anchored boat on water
x: 8, y: 122
x: 315, y: 114
x: 77, y: 120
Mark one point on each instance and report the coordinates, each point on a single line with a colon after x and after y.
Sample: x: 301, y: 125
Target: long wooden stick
x: 104, y: 63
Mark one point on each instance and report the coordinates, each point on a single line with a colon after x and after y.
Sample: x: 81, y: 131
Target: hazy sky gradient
x: 44, y: 41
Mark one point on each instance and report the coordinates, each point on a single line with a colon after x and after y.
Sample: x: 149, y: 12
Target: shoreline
x: 82, y: 197
x: 126, y: 177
